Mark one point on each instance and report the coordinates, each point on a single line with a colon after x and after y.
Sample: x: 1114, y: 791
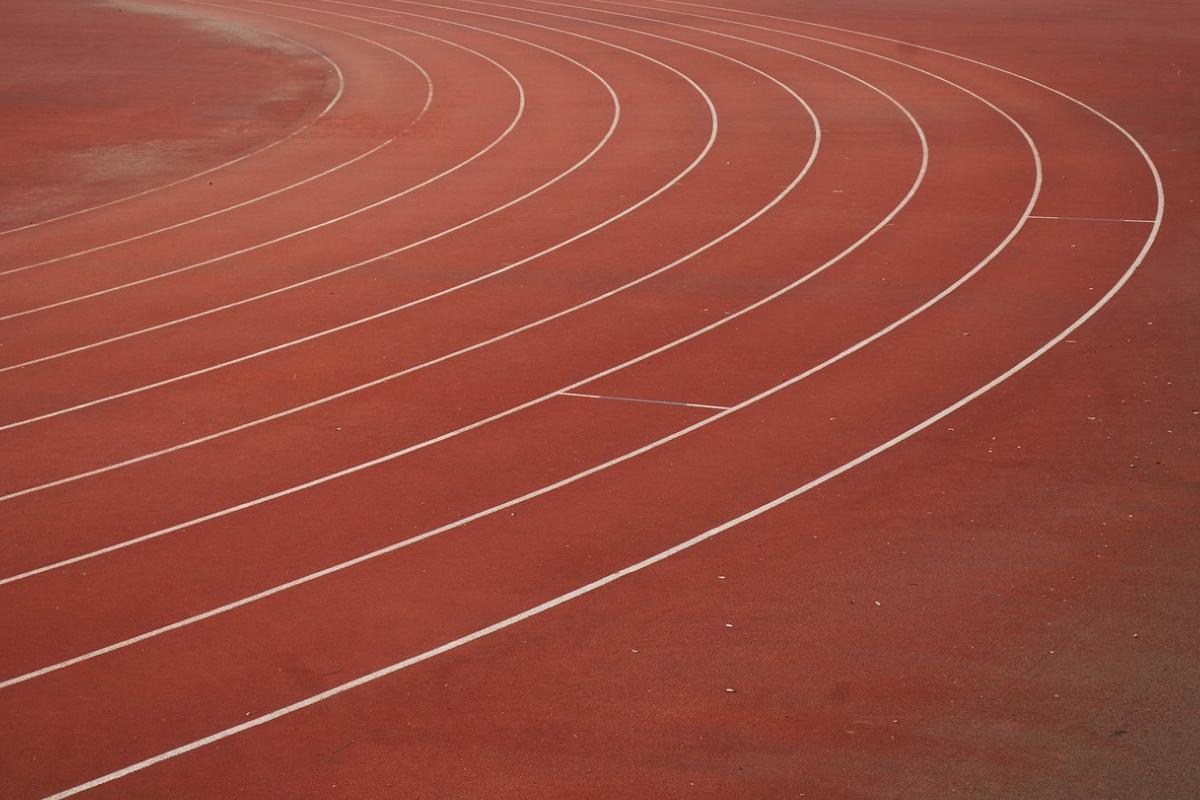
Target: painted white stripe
x: 626, y: 400
x: 337, y: 96
x: 689, y: 543
x: 1093, y: 219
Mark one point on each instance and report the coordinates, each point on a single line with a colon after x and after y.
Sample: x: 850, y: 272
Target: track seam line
x: 638, y: 451
x: 1092, y: 219
x: 626, y: 400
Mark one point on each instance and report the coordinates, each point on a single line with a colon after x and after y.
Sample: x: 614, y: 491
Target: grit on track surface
x: 516, y: 398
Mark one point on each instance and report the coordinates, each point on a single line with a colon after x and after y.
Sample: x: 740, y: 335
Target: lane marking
x: 627, y: 400
x: 1093, y: 219
x: 341, y: 87
x: 640, y: 565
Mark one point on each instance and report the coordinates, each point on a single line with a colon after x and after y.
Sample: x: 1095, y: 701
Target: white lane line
x: 626, y: 400
x: 515, y: 409
x: 386, y: 312
x: 285, y: 237
x: 695, y: 540
x: 337, y: 96
x: 1093, y: 219
x: 251, y: 201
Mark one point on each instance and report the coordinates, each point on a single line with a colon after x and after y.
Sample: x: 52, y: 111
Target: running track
x: 593, y: 399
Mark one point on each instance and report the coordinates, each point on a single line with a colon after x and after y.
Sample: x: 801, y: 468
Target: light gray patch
x: 229, y: 31
x: 124, y: 161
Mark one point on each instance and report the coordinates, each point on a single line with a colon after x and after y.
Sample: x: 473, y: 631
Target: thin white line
x: 302, y: 231
x: 273, y: 193
x: 341, y: 87
x: 708, y: 534
x: 397, y: 454
x: 626, y: 400
x: 1093, y: 219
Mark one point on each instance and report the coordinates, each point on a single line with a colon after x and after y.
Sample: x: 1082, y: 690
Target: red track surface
x: 598, y: 399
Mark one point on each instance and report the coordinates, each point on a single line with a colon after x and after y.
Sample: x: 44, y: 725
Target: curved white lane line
x: 708, y: 145
x: 337, y: 96
x: 695, y: 540
x: 285, y: 237
x: 275, y: 192
x: 397, y: 454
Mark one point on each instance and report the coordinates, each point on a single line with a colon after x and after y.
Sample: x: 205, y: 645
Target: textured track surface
x: 593, y: 399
